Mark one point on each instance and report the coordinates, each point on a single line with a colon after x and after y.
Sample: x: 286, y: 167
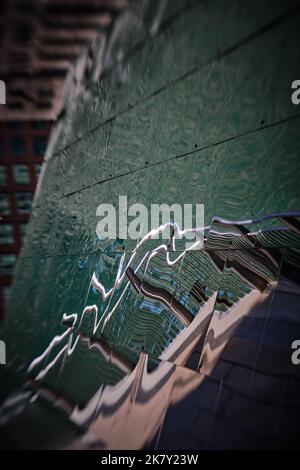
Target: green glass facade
x: 198, y: 112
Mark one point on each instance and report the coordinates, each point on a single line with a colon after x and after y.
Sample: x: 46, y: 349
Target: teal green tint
x: 7, y: 263
x: 6, y: 234
x: 4, y: 204
x: 21, y: 174
x: 3, y: 175
x: 198, y: 112
x: 23, y: 201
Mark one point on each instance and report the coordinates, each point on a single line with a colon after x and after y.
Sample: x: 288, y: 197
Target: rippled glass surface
x: 126, y: 345
x: 169, y: 353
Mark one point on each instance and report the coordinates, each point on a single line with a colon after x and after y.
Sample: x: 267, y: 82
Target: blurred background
x: 164, y: 101
x: 44, y: 45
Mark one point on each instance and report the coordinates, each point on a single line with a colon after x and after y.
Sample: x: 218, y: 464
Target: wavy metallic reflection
x: 200, y: 316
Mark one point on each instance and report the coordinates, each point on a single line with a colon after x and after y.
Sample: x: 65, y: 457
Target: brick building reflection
x: 42, y: 45
x: 22, y: 147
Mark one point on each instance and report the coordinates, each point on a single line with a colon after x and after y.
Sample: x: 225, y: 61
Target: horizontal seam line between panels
x: 168, y: 22
x: 264, y: 29
x: 187, y: 154
x: 106, y: 74
x: 94, y: 253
